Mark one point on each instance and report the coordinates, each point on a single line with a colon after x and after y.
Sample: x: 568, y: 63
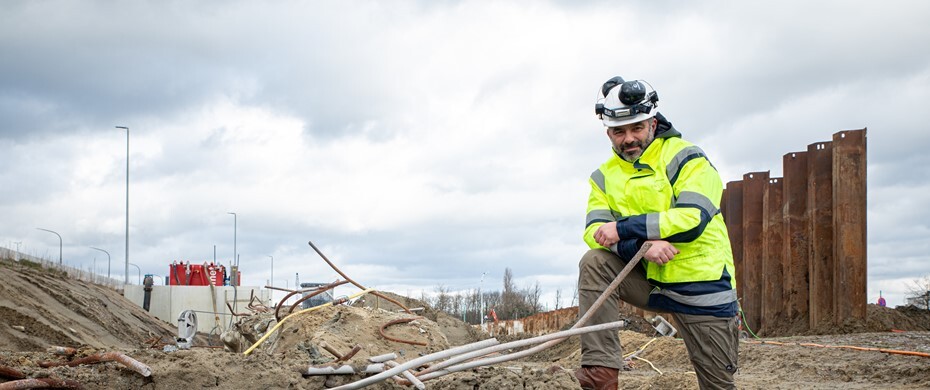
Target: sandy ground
x: 40, y: 309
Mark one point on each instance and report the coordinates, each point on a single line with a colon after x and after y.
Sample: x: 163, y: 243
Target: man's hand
x: 661, y: 252
x: 606, y: 234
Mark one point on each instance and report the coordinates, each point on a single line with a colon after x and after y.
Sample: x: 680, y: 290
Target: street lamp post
x: 481, y: 300
x: 235, y: 260
x: 271, y: 298
x: 59, y: 243
x: 108, y: 260
x: 126, y: 280
x: 139, y: 270
x: 272, y: 269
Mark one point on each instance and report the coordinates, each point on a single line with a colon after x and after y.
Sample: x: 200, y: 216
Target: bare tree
x: 533, y: 298
x: 575, y: 295
x: 443, y: 299
x: 558, y: 299
x: 918, y: 292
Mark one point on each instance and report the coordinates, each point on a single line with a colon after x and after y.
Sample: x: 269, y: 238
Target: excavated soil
x: 41, y: 308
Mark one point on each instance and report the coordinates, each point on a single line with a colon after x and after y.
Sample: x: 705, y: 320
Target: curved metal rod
x: 233, y: 312
x: 400, y: 321
x: 277, y: 307
x: 375, y: 293
x: 319, y: 291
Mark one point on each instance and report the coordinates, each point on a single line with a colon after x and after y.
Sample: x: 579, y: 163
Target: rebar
x: 331, y: 350
x: 127, y: 361
x: 40, y: 383
x: 349, y: 355
x: 11, y: 373
x: 400, y: 321
x: 318, y: 291
x: 278, y: 288
x: 375, y: 293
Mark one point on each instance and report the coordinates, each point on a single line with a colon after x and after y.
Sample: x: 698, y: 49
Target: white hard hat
x: 623, y: 102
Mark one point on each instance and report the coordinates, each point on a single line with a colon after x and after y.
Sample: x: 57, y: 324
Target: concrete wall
x: 168, y: 302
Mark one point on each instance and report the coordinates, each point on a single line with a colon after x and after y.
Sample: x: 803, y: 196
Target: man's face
x: 629, y: 141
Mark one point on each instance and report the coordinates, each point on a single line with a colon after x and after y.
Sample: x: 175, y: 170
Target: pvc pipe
x: 407, y: 374
x: 383, y: 358
x: 580, y: 323
x: 345, y: 370
x: 416, y: 363
x: 553, y: 338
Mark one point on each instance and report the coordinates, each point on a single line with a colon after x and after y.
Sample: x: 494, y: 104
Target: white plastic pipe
x: 580, y: 323
x: 407, y: 374
x: 550, y: 339
x: 383, y: 358
x: 345, y: 370
x: 416, y: 363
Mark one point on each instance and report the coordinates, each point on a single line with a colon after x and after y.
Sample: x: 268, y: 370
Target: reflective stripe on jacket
x: 672, y: 193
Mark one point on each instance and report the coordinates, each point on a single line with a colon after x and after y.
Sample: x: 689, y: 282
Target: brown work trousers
x: 712, y: 342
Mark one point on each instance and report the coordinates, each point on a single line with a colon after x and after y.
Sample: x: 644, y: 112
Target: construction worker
x: 660, y: 189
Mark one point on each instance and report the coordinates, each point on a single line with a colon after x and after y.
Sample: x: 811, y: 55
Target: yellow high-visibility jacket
x: 671, y: 193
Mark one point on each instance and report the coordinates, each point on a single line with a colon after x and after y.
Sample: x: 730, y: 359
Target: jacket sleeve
x: 696, y: 188
x: 599, y: 213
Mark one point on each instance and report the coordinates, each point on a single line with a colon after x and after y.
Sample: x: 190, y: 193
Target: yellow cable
x: 650, y: 364
x: 268, y: 334
x: 640, y: 348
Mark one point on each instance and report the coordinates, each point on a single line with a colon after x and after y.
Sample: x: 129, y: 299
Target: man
x: 656, y: 188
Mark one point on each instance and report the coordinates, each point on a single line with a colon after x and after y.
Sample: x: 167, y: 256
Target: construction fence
x: 799, y: 241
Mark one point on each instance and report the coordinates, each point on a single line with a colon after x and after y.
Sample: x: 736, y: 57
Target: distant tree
x: 443, y: 299
x: 533, y: 298
x: 558, y: 299
x: 918, y: 292
x: 575, y: 295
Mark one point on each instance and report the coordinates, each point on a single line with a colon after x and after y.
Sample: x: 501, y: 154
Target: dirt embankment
x: 52, y: 309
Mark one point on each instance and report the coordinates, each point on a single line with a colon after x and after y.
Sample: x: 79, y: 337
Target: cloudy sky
x: 424, y: 144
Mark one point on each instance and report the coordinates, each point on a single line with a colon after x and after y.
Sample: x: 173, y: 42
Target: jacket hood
x: 665, y: 128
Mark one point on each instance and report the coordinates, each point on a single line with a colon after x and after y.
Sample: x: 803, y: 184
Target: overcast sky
x: 421, y: 144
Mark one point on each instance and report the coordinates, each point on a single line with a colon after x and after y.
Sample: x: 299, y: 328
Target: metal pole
x: 126, y: 279
x: 235, y: 229
x: 108, y: 260
x: 481, y: 301
x: 59, y: 243
x: 272, y: 277
x: 139, y: 270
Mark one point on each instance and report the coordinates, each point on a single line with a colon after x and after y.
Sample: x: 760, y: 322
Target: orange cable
x: 889, y: 351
